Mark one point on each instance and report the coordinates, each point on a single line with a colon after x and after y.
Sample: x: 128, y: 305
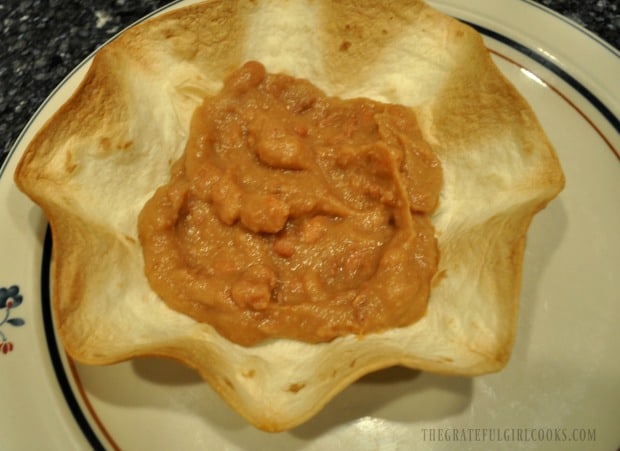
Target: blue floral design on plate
x: 9, y: 300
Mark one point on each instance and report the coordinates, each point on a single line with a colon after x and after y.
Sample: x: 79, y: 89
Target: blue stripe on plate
x: 568, y: 78
x: 52, y: 346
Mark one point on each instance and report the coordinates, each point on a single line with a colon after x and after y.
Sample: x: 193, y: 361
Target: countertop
x: 41, y: 41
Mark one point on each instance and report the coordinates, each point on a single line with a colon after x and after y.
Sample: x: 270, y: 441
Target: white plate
x: 561, y: 388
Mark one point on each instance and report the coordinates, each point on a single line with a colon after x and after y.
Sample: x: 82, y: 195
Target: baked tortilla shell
x: 102, y: 155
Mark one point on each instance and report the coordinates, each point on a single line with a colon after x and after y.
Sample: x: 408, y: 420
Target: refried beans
x: 295, y: 215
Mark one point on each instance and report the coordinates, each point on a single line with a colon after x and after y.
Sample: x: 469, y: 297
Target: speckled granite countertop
x: 41, y: 41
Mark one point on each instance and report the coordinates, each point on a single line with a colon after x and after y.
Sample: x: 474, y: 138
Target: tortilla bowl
x: 98, y: 160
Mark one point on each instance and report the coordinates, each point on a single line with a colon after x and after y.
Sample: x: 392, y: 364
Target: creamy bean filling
x: 293, y: 214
